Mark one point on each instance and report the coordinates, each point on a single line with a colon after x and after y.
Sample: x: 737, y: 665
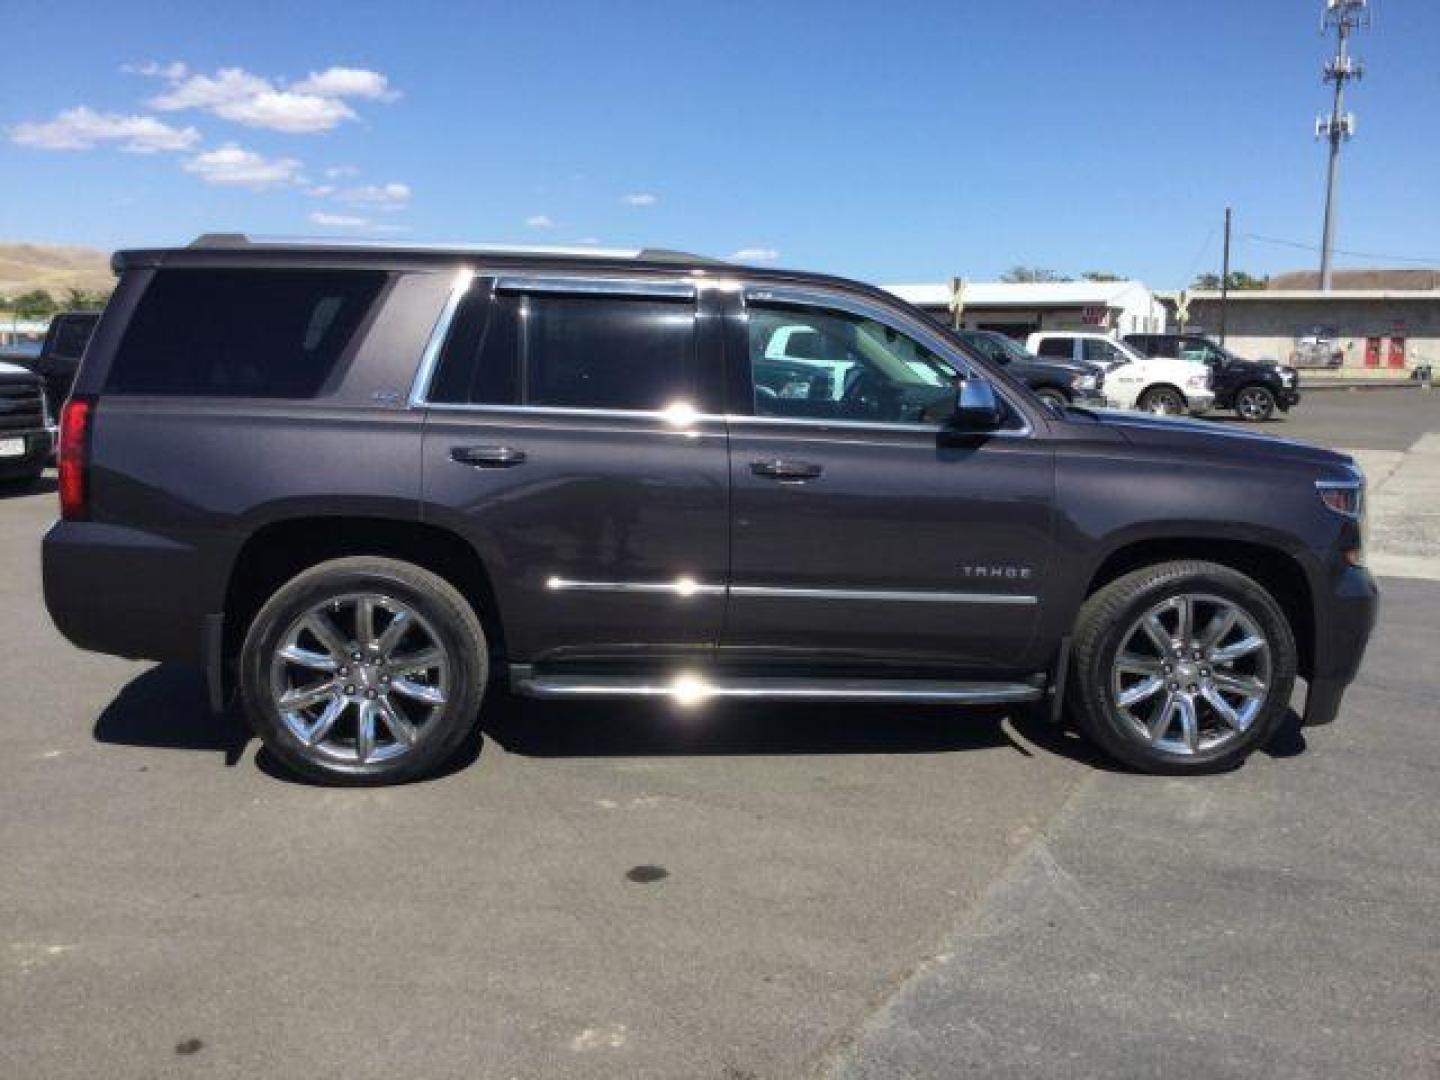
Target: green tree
x: 1030, y: 274
x: 1238, y: 279
x: 84, y: 299
x: 35, y: 304
x: 1101, y: 275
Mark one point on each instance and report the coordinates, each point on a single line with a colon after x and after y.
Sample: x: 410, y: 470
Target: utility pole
x: 1225, y: 279
x: 1344, y: 16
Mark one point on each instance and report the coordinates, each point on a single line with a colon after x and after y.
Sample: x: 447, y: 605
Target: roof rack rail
x: 238, y: 241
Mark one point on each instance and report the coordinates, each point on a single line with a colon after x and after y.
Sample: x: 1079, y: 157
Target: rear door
x: 571, y: 437
x: 861, y: 529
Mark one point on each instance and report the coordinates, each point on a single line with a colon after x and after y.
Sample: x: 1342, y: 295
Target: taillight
x: 74, y: 458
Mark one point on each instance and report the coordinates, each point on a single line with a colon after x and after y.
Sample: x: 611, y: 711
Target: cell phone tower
x: 1344, y: 17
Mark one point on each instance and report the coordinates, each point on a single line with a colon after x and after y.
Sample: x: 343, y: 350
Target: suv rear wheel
x: 1254, y: 403
x: 1163, y: 401
x: 364, y: 671
x: 1056, y: 399
x: 1182, y: 667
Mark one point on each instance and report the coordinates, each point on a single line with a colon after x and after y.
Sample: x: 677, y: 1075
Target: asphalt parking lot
x: 782, y: 892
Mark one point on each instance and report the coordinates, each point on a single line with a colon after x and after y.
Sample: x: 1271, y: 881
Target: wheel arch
x: 1275, y: 569
x: 277, y: 551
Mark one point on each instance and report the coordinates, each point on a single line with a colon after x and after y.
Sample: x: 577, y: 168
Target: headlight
x: 1198, y: 382
x: 1085, y: 382
x: 1343, y: 496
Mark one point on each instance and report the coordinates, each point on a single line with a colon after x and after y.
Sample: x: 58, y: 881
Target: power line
x: 1431, y: 260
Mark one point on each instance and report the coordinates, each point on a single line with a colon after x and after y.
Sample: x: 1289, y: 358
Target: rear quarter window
x: 241, y: 333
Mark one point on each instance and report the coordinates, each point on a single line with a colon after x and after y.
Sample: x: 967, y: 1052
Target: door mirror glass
x: 977, y: 406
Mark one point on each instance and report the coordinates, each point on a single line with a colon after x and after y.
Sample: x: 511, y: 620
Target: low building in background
x: 1020, y: 309
x: 1374, y: 324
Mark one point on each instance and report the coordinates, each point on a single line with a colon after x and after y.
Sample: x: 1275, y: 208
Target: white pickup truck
x: 1165, y: 386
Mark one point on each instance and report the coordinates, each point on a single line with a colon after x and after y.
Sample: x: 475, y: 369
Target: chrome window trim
x: 898, y: 321
x: 420, y: 388
x: 589, y: 285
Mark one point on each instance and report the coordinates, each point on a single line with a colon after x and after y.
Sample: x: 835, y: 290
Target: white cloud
x: 280, y: 110
x: 321, y: 191
x: 755, y: 254
x: 208, y: 91
x: 234, y: 166
x: 172, y: 71
x: 337, y: 171
x: 338, y: 221
x: 392, y: 196
x: 540, y: 221
x: 315, y: 103
x: 82, y: 128
x: 340, y: 82
x: 640, y: 198
x: 588, y: 240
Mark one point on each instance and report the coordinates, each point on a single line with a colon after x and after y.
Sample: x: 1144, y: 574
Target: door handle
x: 487, y: 457
x: 786, y: 470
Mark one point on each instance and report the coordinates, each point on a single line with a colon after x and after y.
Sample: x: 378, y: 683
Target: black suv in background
x: 359, y: 484
x: 1252, y: 388
x: 1055, y: 382
x: 60, y: 354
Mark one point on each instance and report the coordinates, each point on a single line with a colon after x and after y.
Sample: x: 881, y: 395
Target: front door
x: 564, y: 439
x: 862, y: 532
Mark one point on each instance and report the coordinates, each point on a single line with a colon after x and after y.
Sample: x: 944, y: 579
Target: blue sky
x: 892, y: 142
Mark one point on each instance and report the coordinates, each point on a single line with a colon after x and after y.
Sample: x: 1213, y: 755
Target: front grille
x: 21, y: 407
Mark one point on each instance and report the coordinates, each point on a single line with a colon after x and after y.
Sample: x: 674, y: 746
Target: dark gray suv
x: 362, y: 485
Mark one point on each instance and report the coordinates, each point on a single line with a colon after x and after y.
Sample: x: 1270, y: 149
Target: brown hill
x: 53, y: 267
x: 1359, y: 279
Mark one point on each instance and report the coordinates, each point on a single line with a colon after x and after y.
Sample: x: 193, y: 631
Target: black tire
x: 443, y: 610
x: 1103, y: 623
x: 18, y: 485
x: 1163, y: 400
x: 1052, y: 397
x: 1254, y: 403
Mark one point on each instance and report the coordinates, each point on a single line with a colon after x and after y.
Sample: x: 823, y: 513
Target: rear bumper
x: 116, y: 590
x: 39, y: 444
x: 1344, y: 619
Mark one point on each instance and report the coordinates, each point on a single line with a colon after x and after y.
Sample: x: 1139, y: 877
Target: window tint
x: 1101, y: 352
x: 987, y: 347
x: 1056, y: 348
x: 241, y: 333
x: 72, y: 334
x: 850, y: 369
x: 480, y: 363
x: 606, y: 352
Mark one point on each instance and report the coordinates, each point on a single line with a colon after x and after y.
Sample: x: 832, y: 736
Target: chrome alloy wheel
x: 1253, y: 403
x: 1164, y: 403
x: 1191, y: 674
x: 358, y: 678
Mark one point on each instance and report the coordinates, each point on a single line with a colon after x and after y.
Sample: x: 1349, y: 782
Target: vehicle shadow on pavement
x: 166, y: 707
x: 46, y: 485
x: 652, y: 729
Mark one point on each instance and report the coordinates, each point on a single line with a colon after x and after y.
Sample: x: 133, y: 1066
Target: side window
x: 1056, y: 348
x: 241, y: 333
x: 568, y: 351
x: 480, y: 363
x: 1100, y: 352
x: 607, y: 352
x: 850, y: 368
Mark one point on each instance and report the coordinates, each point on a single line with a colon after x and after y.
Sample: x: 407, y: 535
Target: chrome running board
x: 693, y: 688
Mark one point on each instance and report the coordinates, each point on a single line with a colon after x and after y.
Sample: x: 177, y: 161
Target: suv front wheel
x: 364, y: 671
x: 1182, y: 667
x: 1254, y: 403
